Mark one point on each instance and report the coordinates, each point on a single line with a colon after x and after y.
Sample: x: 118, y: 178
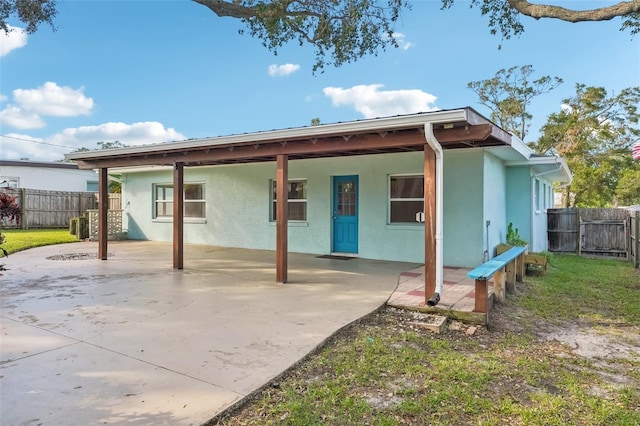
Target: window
x: 406, y: 198
x: 9, y: 182
x: 92, y: 186
x: 297, y: 195
x: 194, y: 200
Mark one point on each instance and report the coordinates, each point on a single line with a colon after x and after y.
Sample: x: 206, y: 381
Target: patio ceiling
x: 406, y: 133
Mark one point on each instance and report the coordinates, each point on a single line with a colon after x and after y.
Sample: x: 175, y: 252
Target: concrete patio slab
x: 130, y: 340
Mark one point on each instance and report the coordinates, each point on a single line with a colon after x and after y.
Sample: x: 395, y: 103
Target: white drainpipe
x: 437, y: 148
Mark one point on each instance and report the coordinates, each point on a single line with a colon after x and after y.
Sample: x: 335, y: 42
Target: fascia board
x: 370, y: 125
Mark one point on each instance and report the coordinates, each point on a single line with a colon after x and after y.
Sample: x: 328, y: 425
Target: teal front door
x: 345, y: 214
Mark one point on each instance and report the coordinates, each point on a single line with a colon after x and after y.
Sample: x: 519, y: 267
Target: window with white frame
x: 9, y: 182
x: 194, y: 200
x: 297, y: 200
x: 406, y: 198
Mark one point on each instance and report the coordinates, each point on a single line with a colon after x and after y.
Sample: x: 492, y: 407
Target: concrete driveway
x: 130, y: 340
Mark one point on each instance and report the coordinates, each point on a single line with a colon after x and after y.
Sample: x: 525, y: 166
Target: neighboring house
x: 354, y: 188
x: 48, y: 176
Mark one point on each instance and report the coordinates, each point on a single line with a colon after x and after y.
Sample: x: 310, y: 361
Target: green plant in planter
x: 513, y: 236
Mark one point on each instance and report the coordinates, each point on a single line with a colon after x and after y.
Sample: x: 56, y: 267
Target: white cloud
x: 17, y: 118
x: 14, y: 39
x: 282, y: 70
x: 51, y: 99
x: 129, y: 134
x: 47, y: 100
x: 3, y: 98
x: 401, y: 40
x: 55, y: 146
x: 14, y: 146
x: 372, y: 102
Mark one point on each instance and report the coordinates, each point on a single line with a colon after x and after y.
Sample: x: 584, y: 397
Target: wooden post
x: 282, y: 217
x: 178, y: 215
x: 520, y: 267
x: 499, y: 284
x: 511, y: 275
x: 636, y: 233
x: 482, y: 296
x: 23, y: 205
x: 103, y: 211
x: 429, y: 222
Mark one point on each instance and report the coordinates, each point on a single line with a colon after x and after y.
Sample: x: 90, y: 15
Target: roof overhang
x: 553, y: 168
x: 459, y: 128
x: 38, y: 164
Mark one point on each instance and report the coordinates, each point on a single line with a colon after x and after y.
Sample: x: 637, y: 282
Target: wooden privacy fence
x: 115, y: 202
x: 611, y: 232
x: 634, y: 237
x: 563, y: 230
x: 48, y: 209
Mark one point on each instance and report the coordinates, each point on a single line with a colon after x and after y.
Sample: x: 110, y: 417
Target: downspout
x: 437, y: 148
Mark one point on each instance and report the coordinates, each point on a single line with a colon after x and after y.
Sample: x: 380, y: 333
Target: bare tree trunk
x: 566, y: 196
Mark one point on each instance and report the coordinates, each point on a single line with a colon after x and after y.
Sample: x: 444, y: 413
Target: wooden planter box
x: 530, y: 259
x: 537, y: 260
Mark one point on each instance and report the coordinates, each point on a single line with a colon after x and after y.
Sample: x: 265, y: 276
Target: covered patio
x: 430, y: 133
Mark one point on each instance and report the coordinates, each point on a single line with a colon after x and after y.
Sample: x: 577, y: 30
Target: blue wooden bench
x: 505, y: 269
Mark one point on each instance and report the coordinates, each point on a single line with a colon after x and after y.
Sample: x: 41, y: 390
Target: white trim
x: 390, y: 199
x: 154, y: 201
x: 305, y: 200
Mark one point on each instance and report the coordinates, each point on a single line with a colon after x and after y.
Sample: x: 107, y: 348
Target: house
x: 438, y: 188
x: 50, y: 176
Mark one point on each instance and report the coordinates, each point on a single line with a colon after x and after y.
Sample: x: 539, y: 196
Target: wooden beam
x: 479, y: 132
x: 282, y: 217
x: 266, y: 150
x: 178, y: 215
x: 475, y: 118
x: 429, y: 222
x: 103, y: 212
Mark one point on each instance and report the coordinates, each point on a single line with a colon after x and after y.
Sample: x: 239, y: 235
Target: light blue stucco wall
x: 495, y: 203
x: 237, y: 206
x: 519, y: 200
x: 529, y: 198
x: 463, y: 215
x: 238, y: 203
x: 542, y: 200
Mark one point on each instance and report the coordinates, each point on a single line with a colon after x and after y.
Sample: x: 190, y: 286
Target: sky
x: 151, y: 71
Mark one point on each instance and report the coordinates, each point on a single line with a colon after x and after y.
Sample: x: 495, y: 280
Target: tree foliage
x: 628, y: 188
x: 33, y: 13
x: 508, y: 95
x: 341, y: 31
x: 9, y: 208
x: 594, y: 131
x: 115, y: 186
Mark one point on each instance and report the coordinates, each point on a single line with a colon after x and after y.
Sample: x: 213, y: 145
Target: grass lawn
x: 564, y: 349
x: 22, y: 239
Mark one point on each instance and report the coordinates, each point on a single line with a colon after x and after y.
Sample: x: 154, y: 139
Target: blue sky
x: 153, y: 71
